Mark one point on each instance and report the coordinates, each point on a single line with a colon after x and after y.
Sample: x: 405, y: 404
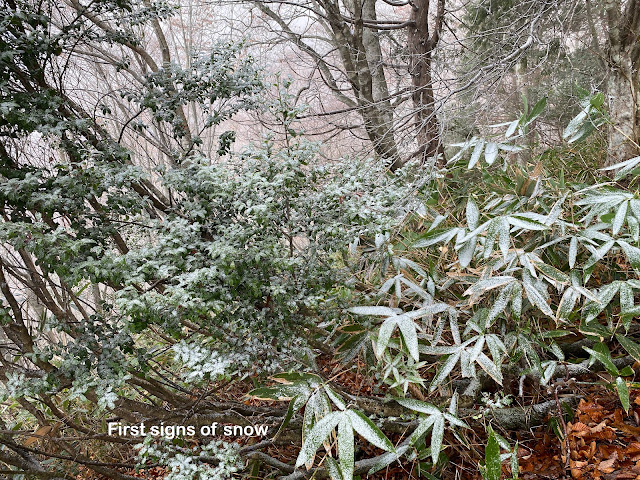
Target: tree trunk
x: 430, y: 149
x: 622, y: 89
x: 623, y: 82
x: 360, y: 54
x: 380, y: 89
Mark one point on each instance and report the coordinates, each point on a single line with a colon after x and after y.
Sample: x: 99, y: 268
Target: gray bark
x: 623, y: 56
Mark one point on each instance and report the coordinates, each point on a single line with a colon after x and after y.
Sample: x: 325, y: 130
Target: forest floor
x: 602, y: 441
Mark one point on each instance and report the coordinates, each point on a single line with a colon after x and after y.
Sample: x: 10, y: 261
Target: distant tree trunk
x: 623, y: 87
x: 352, y: 28
x: 380, y: 89
x: 421, y: 45
x: 360, y: 53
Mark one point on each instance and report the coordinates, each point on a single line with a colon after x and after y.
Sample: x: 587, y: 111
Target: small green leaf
x: 601, y: 353
x: 492, y: 465
x: 287, y: 418
x: 387, y: 459
x: 623, y: 393
x: 538, y: 108
x: 630, y: 346
x: 333, y: 469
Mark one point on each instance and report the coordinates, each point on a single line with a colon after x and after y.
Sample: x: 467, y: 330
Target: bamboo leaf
x: 630, y: 346
x: 573, y: 251
x: 477, y: 151
x: 492, y: 465
x: 623, y: 393
x: 382, y: 311
x: 473, y: 214
x: 346, y: 449
x: 419, y: 406
x: 437, y: 436
x: 491, y: 153
x: 317, y: 435
x: 444, y: 371
x: 410, y: 335
x: 367, y: 429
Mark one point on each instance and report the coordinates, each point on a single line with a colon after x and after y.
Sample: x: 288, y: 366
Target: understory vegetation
x: 371, y: 322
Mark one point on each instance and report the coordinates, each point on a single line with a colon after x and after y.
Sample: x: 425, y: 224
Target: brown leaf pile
x: 604, y: 442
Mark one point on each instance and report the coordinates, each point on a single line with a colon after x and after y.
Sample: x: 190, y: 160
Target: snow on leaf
x: 318, y: 434
x: 346, y: 450
x: 477, y: 151
x: 464, y: 147
x: 618, y: 220
x: 334, y: 397
x: 436, y: 237
x: 387, y: 328
x: 630, y: 346
x: 496, y: 346
x: 465, y: 254
x: 312, y: 412
x: 473, y: 214
x: 574, y: 124
x: 536, y: 297
x: 419, y: 406
x: 491, y: 368
x: 410, y: 335
x: 623, y: 393
x: 453, y: 420
x: 482, y: 286
x: 499, y: 305
x: 632, y: 253
x: 437, y: 436
x: 332, y: 469
x: 492, y: 232
x: 512, y: 128
x: 453, y: 404
x: 368, y: 430
x: 492, y: 469
x: 503, y: 236
x: 605, y: 295
x: 552, y: 272
x: 625, y: 167
x: 386, y: 311
x: 491, y: 153
x: 421, y: 429
x: 387, y: 459
x: 520, y: 221
x: 444, y: 371
x: 439, y: 349
x: 573, y: 251
x: 567, y: 304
